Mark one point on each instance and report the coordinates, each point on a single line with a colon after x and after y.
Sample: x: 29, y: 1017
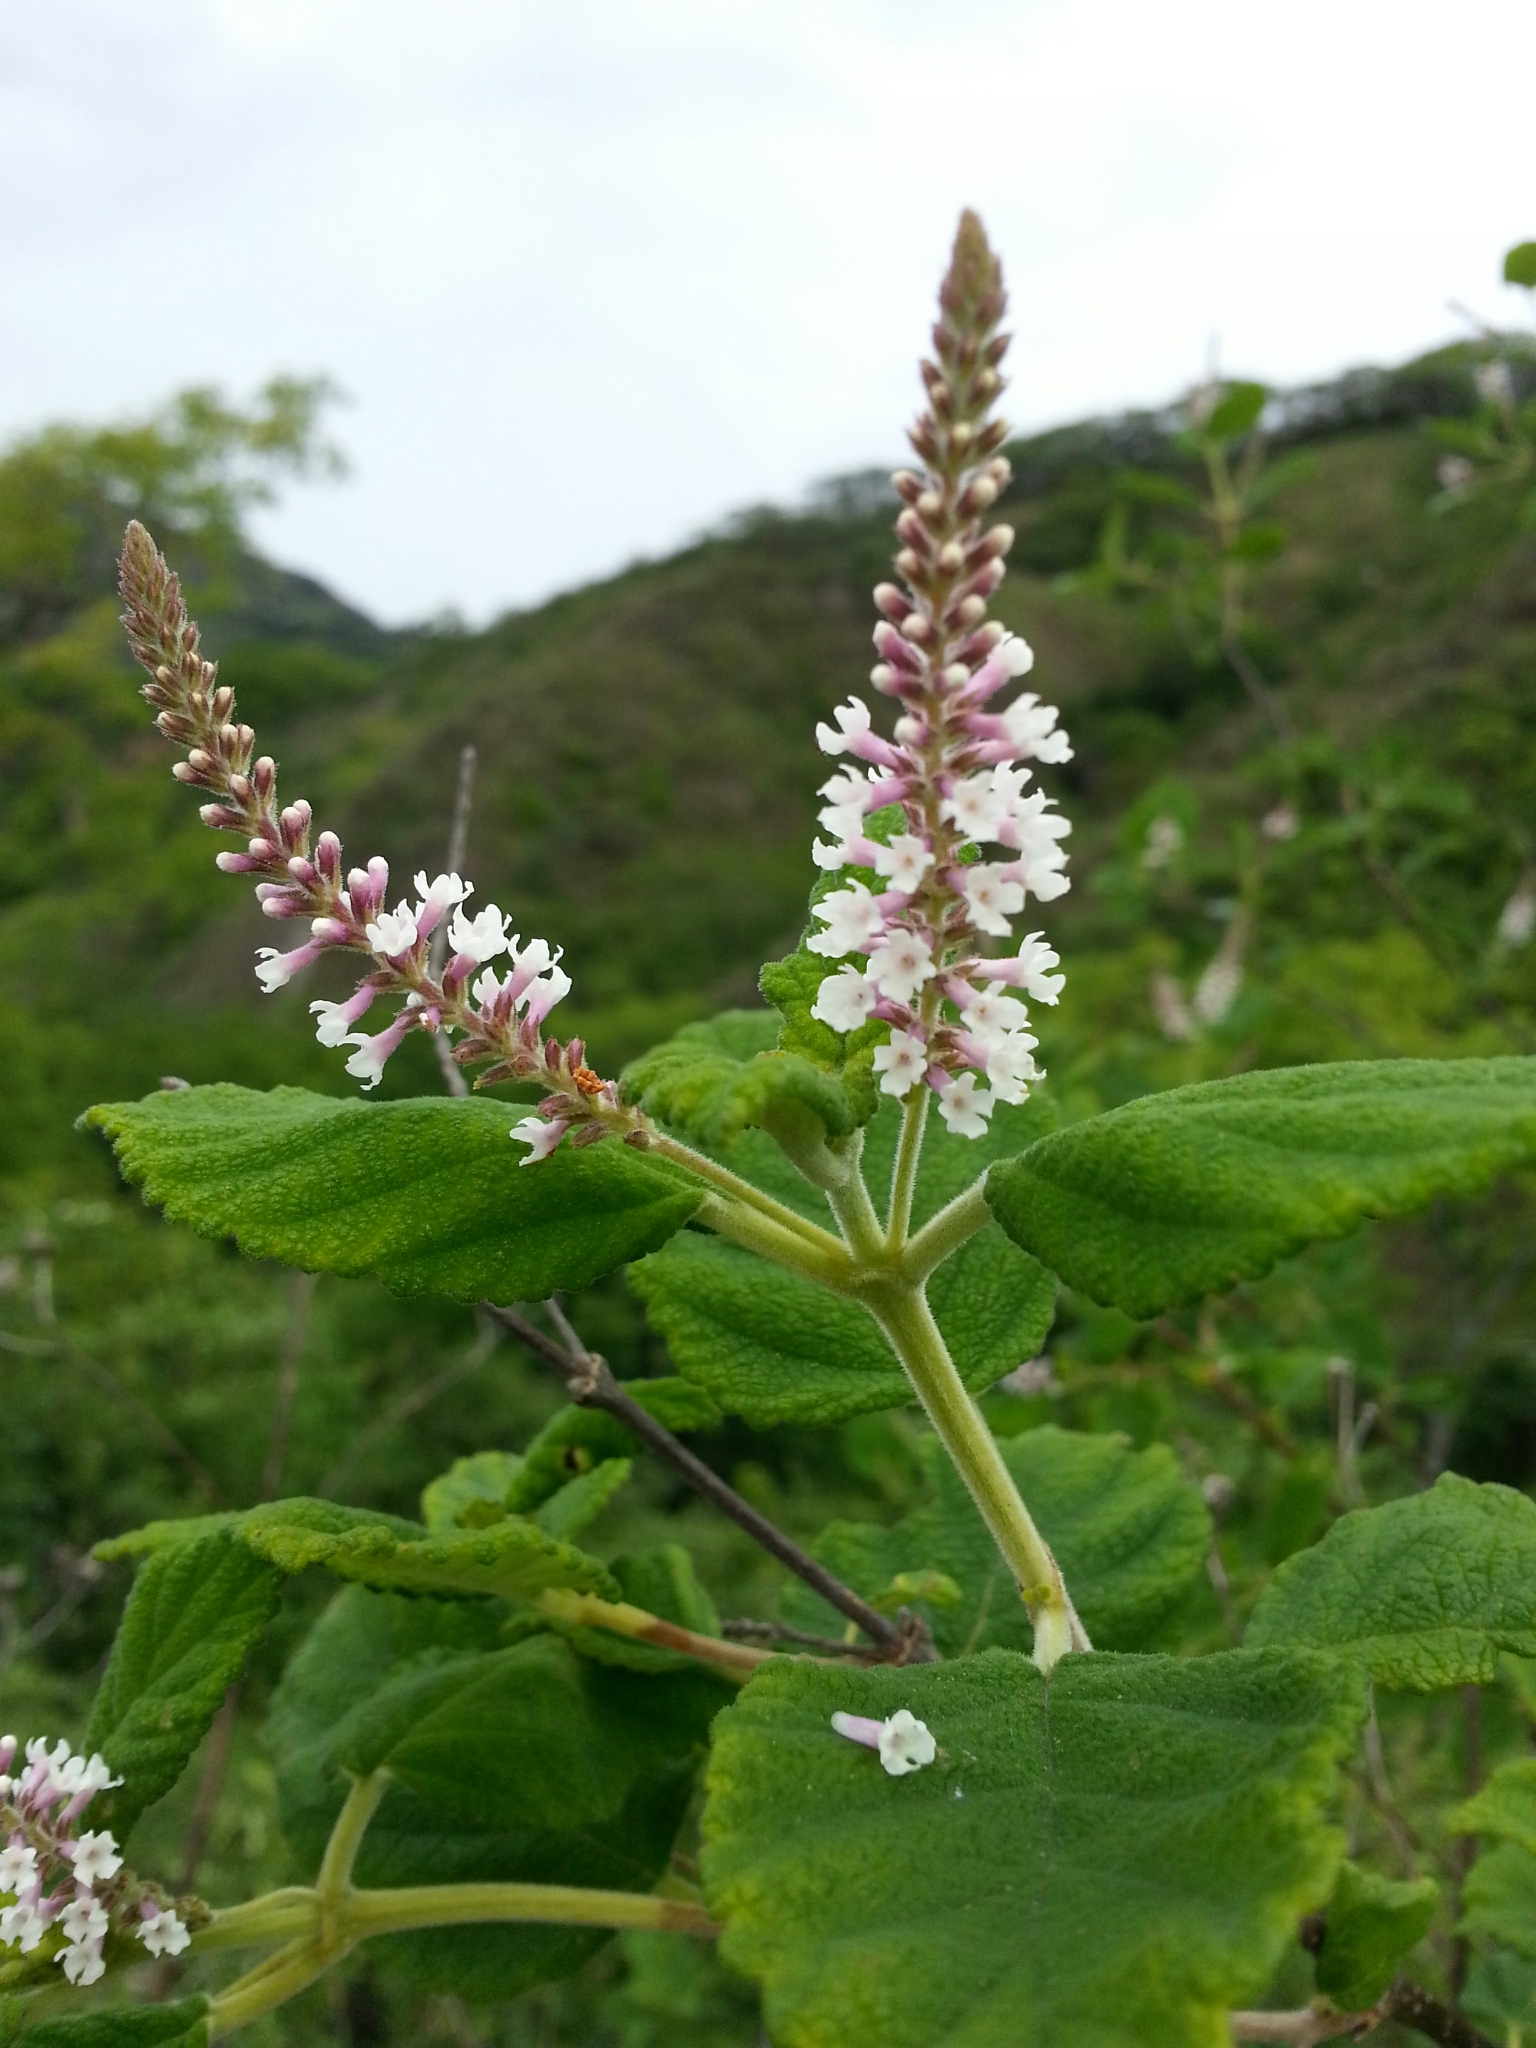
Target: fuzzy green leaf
x: 1236, y: 411
x: 513, y: 1559
x: 1520, y: 265
x: 1501, y: 1999
x: 1425, y: 1591
x: 774, y: 1347
x: 192, y: 1618
x: 1182, y: 1194
x: 471, y: 1493
x: 566, y: 1513
x: 1506, y: 1806
x: 791, y: 985
x: 714, y: 1079
x: 1128, y: 1531
x: 509, y: 1764
x: 1110, y: 1858
x: 430, y: 1195
x: 1498, y: 1897
x: 1371, y: 1925
x: 183, y: 2025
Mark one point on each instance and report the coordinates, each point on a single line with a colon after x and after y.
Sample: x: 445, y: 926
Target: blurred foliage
x: 1364, y: 888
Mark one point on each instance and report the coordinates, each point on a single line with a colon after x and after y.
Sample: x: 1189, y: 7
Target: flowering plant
x: 935, y: 1810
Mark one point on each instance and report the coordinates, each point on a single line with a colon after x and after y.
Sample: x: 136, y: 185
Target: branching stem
x: 909, y: 1151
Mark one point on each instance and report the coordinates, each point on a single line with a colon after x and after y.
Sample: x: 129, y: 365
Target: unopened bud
x: 246, y: 736
x: 221, y: 818
x: 229, y: 737
x: 988, y: 383
x: 917, y: 627
x: 980, y: 492
x: 893, y: 602
x: 240, y: 789
x: 997, y: 540
x: 166, y: 677
x: 328, y: 855
x: 970, y: 611
x: 199, y: 761
x: 175, y: 727
x: 302, y: 870
x: 910, y: 528
x: 223, y: 702
x: 986, y: 579
x: 951, y: 558
x: 961, y: 434
x: 957, y: 675
x: 992, y: 436
x: 931, y: 505
x: 263, y: 849
x: 264, y: 774
x: 185, y: 772
x: 910, y: 565
x: 904, y: 482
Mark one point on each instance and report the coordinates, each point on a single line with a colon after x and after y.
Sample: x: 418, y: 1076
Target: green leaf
x: 1520, y: 265
x: 513, y: 1559
x: 1424, y: 1592
x: 471, y: 1493
x: 791, y: 985
x: 574, y: 1441
x: 1180, y: 1194
x: 714, y: 1079
x: 662, y: 1580
x: 1506, y: 1806
x: 192, y: 1618
x: 183, y: 2025
x: 429, y: 1195
x: 1371, y: 1925
x: 1501, y: 1999
x: 566, y: 1513
x: 1128, y: 1531
x: 774, y: 1347
x: 524, y: 1764
x: 1108, y: 1858
x: 1236, y: 411
x: 1498, y: 1898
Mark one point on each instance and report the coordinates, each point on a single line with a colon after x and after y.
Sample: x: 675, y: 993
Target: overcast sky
x: 594, y: 275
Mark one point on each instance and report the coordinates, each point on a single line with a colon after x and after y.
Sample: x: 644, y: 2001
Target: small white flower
x: 96, y: 1858
x: 853, y: 921
x: 904, y: 862
x: 1031, y: 727
x: 992, y: 897
x: 84, y: 1918
x: 18, y: 1867
x: 444, y: 893
x: 1034, y: 957
x: 963, y: 1110
x: 853, y: 722
x: 334, y: 1023
x: 830, y: 857
x: 487, y: 987
x: 901, y: 1063
x: 844, y: 999
x: 973, y: 807
x: 393, y: 932
x: 537, y: 957
x: 900, y: 966
x: 275, y: 969
x: 1014, y: 654
x: 541, y: 995
x: 1044, y: 879
x: 22, y: 1925
x: 368, y: 1062
x: 82, y: 1962
x: 990, y: 1013
x: 541, y: 1138
x: 905, y: 1743
x: 163, y: 1934
x: 1011, y: 1066
x: 479, y: 938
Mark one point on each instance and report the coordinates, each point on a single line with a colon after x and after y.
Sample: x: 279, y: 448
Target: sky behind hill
x: 594, y: 276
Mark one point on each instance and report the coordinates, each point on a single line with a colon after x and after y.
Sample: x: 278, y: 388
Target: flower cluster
x: 497, y: 1014
x: 57, y: 1876
x: 917, y: 810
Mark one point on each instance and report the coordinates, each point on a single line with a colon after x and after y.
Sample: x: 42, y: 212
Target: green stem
x: 909, y: 1151
x: 945, y: 1233
x: 586, y: 1610
x: 334, y: 1881
x: 728, y: 1183
x: 277, y: 1916
x: 816, y: 1253
x: 272, y: 1983
x: 903, y: 1314
x: 455, y: 1905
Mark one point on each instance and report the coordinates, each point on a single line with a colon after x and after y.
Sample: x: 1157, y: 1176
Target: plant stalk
x: 904, y: 1315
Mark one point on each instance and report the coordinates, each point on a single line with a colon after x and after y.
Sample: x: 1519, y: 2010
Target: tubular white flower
x: 96, y: 1858
x: 1011, y: 1066
x: 84, y: 1918
x: 963, y: 1110
x: 442, y: 894
x: 18, y: 1866
x: 163, y: 1934
x: 853, y: 920
x: 991, y: 897
x: 905, y: 1744
x: 844, y: 999
x: 23, y: 1926
x: 393, y: 933
x: 82, y: 1962
x: 990, y: 1014
x: 852, y: 721
x: 904, y: 862
x: 901, y: 1063
x: 541, y: 1138
x: 479, y: 938
x: 901, y: 966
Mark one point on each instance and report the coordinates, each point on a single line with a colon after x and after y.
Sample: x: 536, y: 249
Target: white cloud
x: 594, y: 276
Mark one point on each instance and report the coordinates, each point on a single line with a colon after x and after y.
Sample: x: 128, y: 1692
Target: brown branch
x: 746, y: 1629
x: 1415, y: 2007
x: 592, y: 1385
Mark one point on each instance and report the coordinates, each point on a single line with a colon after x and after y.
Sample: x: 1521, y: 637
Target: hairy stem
x: 586, y: 1610
x: 944, y: 1234
x: 743, y: 1192
x: 820, y: 1256
x: 903, y: 1314
x: 454, y: 1905
x: 909, y: 1151
x: 592, y: 1385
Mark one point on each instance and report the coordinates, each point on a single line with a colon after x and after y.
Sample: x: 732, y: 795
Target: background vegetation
x: 1338, y: 862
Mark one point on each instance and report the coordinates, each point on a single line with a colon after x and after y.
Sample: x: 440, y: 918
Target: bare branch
x: 592, y: 1385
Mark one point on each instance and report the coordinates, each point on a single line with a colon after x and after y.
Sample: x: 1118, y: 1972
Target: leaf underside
x: 1424, y: 1592
x: 1110, y: 1858
x: 429, y: 1195
x: 714, y: 1079
x: 1182, y: 1194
